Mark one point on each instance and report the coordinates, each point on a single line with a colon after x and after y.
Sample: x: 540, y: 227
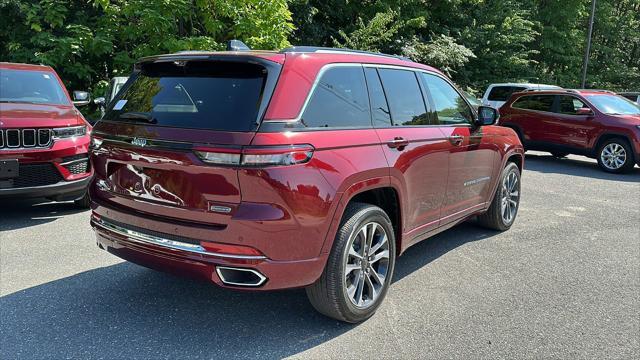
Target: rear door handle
x: 398, y: 143
x: 456, y: 139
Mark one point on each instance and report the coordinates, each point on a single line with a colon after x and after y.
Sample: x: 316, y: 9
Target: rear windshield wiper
x: 138, y: 116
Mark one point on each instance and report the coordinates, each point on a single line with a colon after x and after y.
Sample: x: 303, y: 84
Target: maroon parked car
x: 594, y: 123
x: 307, y: 167
x: 44, y: 140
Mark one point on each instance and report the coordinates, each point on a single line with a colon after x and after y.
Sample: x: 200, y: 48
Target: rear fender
x: 345, y: 197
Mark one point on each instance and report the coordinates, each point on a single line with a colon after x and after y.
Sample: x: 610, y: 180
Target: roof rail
x: 191, y: 52
x: 599, y: 90
x: 329, y: 50
x: 557, y: 90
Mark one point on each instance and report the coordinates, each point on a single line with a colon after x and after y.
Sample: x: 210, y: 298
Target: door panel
x: 471, y: 171
x: 416, y: 153
x: 565, y: 127
x: 421, y: 169
x: 472, y: 154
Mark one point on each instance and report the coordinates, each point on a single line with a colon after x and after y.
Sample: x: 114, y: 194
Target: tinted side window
x: 404, y: 96
x: 503, y: 93
x: 535, y: 102
x: 450, y: 107
x: 339, y: 100
x: 569, y: 105
x: 379, y: 106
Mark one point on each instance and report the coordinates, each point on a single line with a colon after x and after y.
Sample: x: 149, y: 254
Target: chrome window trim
x: 550, y: 112
x: 142, y: 238
x: 312, y: 90
x: 326, y: 67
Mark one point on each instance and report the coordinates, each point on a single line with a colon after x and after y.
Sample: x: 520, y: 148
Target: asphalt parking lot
x: 564, y: 282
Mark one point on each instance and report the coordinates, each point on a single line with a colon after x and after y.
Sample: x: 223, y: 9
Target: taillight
x: 256, y: 155
x: 219, y: 156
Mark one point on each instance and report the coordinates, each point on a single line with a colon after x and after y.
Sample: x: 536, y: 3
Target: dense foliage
x: 474, y: 41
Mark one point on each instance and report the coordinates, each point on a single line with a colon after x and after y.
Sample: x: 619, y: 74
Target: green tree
x: 92, y: 40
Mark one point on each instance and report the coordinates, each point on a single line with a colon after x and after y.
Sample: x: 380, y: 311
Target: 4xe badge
x: 139, y: 141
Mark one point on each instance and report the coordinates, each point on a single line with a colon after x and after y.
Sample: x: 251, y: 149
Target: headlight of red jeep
x: 69, y: 132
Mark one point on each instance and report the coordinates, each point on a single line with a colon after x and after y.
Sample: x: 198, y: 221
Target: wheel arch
x: 381, y: 194
x: 608, y: 136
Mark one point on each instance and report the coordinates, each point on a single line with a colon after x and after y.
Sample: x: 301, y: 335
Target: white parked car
x: 114, y: 86
x: 497, y: 94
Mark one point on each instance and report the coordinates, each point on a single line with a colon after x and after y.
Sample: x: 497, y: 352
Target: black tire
x: 493, y: 218
x: 84, y: 202
x: 559, y: 155
x: 328, y: 294
x: 629, y: 161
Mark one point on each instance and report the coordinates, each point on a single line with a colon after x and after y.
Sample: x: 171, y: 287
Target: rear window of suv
x: 503, y: 93
x: 222, y: 96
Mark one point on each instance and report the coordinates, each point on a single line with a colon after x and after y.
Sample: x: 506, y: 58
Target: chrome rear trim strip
x: 139, y: 237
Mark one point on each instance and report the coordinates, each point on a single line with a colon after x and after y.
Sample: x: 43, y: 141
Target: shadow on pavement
x: 126, y: 311
x: 584, y: 168
x: 17, y: 214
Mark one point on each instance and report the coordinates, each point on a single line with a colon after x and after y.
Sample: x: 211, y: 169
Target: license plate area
x: 9, y: 169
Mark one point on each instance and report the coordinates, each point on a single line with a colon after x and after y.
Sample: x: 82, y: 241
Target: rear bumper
x: 61, y: 191
x: 168, y: 254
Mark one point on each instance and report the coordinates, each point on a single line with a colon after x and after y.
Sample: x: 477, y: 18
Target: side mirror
x: 81, y: 98
x: 487, y: 116
x: 101, y: 101
x: 584, y: 111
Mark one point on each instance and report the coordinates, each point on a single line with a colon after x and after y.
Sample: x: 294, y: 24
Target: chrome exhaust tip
x: 240, y: 277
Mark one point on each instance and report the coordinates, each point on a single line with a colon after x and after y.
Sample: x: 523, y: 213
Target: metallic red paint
x: 579, y: 134
x: 26, y: 115
x: 288, y: 213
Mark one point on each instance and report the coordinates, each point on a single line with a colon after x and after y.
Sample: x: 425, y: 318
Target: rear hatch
x: 168, y: 142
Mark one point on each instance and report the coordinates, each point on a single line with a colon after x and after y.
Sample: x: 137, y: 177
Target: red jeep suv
x: 307, y: 167
x: 594, y: 123
x: 44, y: 140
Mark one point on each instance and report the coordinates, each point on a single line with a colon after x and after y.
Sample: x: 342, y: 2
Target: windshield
x: 198, y: 95
x: 614, y: 105
x: 35, y: 87
x: 471, y: 99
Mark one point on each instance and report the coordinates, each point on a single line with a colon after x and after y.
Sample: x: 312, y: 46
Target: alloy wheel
x: 510, y: 195
x: 613, y: 156
x: 367, y: 264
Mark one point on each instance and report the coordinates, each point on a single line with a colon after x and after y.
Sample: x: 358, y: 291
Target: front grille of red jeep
x: 29, y: 138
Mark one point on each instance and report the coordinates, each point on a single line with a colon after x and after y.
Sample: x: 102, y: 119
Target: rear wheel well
x: 516, y: 159
x: 387, y: 199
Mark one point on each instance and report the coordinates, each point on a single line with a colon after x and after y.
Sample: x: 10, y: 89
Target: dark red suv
x: 44, y: 140
x: 594, y: 123
x: 307, y: 167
